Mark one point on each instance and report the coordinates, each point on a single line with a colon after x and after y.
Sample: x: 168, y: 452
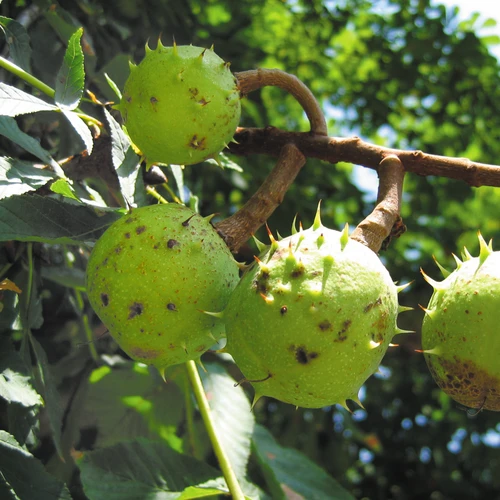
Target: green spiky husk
x: 180, y: 105
x: 150, y: 277
x: 311, y: 321
x: 460, y: 332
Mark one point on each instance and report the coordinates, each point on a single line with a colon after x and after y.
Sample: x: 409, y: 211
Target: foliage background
x: 403, y: 74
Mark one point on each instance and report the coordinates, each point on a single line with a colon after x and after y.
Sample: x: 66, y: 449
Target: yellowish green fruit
x: 460, y: 330
x: 150, y: 276
x: 312, y: 319
x: 180, y: 105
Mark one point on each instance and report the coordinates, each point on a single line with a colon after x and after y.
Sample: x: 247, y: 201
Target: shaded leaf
x: 23, y: 477
x: 15, y: 102
x: 70, y: 79
x: 127, y: 164
x: 72, y: 277
x: 80, y: 128
x: 290, y: 474
x: 9, y: 129
x: 18, y: 177
x: 37, y: 218
x: 142, y: 469
x: 225, y: 162
x: 50, y: 394
x: 179, y: 180
x: 18, y: 41
x: 113, y: 86
x: 128, y: 402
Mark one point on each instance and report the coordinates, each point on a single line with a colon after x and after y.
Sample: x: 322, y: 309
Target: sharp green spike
x: 161, y: 371
x: 227, y: 64
x: 147, y: 48
x: 400, y: 288
x: 484, y: 249
x: 457, y: 260
x: 261, y: 247
x: 344, y: 237
x: 437, y: 351
x: 200, y: 364
x: 344, y: 405
x: 202, y: 55
x: 490, y: 244
x: 400, y: 330
x: 320, y: 240
x: 132, y: 66
x: 402, y: 309
x: 437, y: 285
x: 256, y: 397
x: 356, y: 399
x: 466, y: 255
x: 208, y: 218
x: 175, y: 51
x: 263, y: 267
x: 214, y: 314
x: 216, y: 158
x: 278, y: 236
x: 443, y: 270
x: 294, y: 227
x: 159, y: 45
x: 317, y: 218
x: 212, y: 47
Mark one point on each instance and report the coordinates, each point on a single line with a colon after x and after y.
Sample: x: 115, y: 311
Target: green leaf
x: 80, y: 128
x: 233, y: 420
x: 23, y: 477
x: 148, y: 470
x: 113, y: 86
x: 18, y: 177
x: 127, y: 164
x: 50, y: 394
x: 72, y: 277
x: 64, y: 188
x: 225, y: 162
x: 18, y: 41
x: 70, y: 79
x: 290, y: 474
x: 37, y: 218
x: 15, y: 380
x: 15, y: 102
x: 9, y: 129
x: 179, y: 180
x: 128, y: 402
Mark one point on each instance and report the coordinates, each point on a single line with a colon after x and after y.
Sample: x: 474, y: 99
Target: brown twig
x: 374, y: 229
x: 254, y: 79
x: 270, y: 140
x: 239, y: 227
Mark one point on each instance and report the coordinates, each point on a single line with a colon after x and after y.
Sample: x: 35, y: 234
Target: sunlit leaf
x: 15, y: 102
x: 18, y: 177
x: 71, y: 76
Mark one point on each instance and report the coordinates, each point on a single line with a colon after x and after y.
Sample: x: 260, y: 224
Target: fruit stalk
x: 374, y: 229
x: 204, y: 407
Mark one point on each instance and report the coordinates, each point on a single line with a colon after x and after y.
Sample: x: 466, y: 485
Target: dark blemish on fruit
x: 140, y: 229
x: 135, y: 309
x: 198, y: 144
x: 127, y: 235
x: 301, y: 354
x: 283, y: 310
x: 118, y: 250
x: 104, y: 299
x: 153, y: 100
x: 129, y: 220
x: 172, y: 243
x: 325, y: 325
x: 203, y: 102
x: 171, y: 307
x: 466, y: 311
x: 128, y: 98
x: 193, y: 91
x: 341, y: 335
x: 105, y: 262
x: 296, y: 273
x: 187, y: 221
x: 200, y: 348
x: 370, y: 306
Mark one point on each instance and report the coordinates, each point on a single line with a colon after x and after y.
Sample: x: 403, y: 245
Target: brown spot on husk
x: 135, y: 309
x: 104, y: 299
x: 145, y: 354
x: 341, y: 334
x: 325, y: 325
x: 465, y: 382
x: 172, y: 243
x: 140, y: 229
x: 370, y: 306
